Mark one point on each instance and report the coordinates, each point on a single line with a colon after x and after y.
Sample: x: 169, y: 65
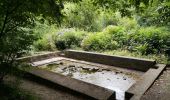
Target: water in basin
x: 111, y: 78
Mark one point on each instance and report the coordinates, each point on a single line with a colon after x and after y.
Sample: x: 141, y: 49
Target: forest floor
x: 160, y: 90
x: 42, y: 91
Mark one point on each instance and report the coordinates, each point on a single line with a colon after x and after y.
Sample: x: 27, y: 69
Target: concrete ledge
x: 119, y: 61
x: 38, y: 57
x: 139, y: 88
x: 88, y: 89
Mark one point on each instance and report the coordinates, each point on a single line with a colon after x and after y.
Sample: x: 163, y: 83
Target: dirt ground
x: 160, y: 90
x: 44, y: 92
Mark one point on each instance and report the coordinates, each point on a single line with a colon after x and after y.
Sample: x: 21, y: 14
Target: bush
x: 46, y: 34
x: 45, y: 43
x: 113, y: 29
x: 149, y: 40
x: 128, y: 23
x: 117, y: 33
x: 99, y: 41
x: 69, y: 39
x: 104, y: 19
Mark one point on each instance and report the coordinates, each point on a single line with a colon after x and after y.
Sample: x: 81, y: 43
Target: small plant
x: 143, y: 49
x: 113, y: 29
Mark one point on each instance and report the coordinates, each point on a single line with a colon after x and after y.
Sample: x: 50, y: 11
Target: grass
x: 160, y: 58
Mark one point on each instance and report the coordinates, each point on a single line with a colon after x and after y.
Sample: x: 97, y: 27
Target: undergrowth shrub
x: 128, y: 23
x: 99, y: 41
x: 45, y: 43
x: 117, y: 34
x: 46, y: 34
x: 150, y: 40
x: 69, y: 39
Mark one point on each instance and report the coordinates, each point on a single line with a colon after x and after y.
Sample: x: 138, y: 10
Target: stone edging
x: 136, y: 91
x: 117, y: 61
x: 38, y: 57
x: 91, y: 90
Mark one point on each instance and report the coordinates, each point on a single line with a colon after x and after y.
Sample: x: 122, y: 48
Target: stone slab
x: 141, y: 86
x: 38, y: 57
x: 46, y: 61
x: 119, y: 61
x: 94, y: 91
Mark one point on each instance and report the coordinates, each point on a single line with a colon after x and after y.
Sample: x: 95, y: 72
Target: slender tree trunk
x: 4, y: 23
x: 2, y: 78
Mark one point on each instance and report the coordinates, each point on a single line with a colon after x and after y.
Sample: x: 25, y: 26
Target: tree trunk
x: 2, y: 77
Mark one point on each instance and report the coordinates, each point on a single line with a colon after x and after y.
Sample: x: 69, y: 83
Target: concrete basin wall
x: 77, y: 86
x: 151, y: 69
x: 117, y: 61
x: 136, y: 91
x: 38, y: 57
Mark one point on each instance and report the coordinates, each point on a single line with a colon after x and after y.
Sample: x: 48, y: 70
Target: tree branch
x: 6, y: 17
x: 10, y: 29
x: 4, y: 24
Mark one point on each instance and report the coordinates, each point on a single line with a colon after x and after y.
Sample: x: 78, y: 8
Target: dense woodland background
x: 137, y: 28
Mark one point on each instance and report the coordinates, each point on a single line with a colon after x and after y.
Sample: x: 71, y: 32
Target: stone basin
x: 96, y: 75
x: 110, y: 77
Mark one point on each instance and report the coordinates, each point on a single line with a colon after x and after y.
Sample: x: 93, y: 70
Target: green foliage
x: 128, y: 24
x: 143, y: 49
x: 13, y: 46
x: 46, y: 35
x: 113, y: 30
x: 117, y: 33
x: 81, y: 15
x: 17, y: 18
x: 69, y: 39
x: 44, y: 44
x: 150, y: 40
x: 99, y: 41
x: 123, y: 6
x: 133, y: 25
x: 105, y: 18
x: 85, y: 15
x: 155, y: 14
x: 160, y: 58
